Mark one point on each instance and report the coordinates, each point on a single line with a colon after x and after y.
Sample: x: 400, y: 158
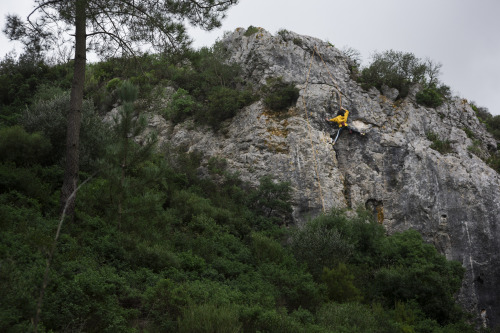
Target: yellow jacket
x: 341, y: 120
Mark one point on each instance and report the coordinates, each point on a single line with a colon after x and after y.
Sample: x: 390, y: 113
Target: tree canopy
x: 116, y: 25
x: 108, y: 27
x: 401, y: 70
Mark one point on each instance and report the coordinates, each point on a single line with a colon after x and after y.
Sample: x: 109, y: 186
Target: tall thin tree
x: 109, y: 27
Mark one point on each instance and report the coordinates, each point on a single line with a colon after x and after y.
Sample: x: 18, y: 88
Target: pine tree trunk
x: 71, y: 169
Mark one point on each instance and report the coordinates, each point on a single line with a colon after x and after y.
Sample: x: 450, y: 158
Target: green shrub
x: 283, y: 33
x: 26, y: 181
x: 334, y: 238
x: 272, y: 199
x: 278, y: 322
x: 494, y: 162
x: 444, y: 147
x: 181, y: 106
x: 21, y: 78
x: 223, y: 103
x: 164, y: 302
x: 401, y: 70
x: 476, y: 149
x: 266, y: 249
x: 251, y: 30
x: 470, y: 134
x: 493, y: 125
x: 113, y: 84
x: 215, y: 89
x: 22, y: 148
x: 418, y: 272
x: 49, y: 118
x: 46, y: 92
x: 89, y: 297
x: 429, y: 97
x: 340, y: 286
x: 23, y: 238
x: 297, y: 41
x: 169, y: 300
x: 209, y: 318
x: 319, y: 247
x: 482, y: 113
x: 352, y: 318
x: 279, y: 95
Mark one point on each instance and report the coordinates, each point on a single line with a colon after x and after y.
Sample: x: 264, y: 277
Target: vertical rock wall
x: 453, y: 199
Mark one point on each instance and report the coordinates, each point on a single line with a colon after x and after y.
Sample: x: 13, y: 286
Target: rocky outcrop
x: 452, y: 198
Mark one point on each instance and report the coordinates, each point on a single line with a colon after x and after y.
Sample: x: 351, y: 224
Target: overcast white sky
x: 463, y: 35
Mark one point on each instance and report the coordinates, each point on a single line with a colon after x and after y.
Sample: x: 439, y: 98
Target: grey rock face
x: 453, y: 199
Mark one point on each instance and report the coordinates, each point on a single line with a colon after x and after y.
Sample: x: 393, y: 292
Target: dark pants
x: 350, y: 129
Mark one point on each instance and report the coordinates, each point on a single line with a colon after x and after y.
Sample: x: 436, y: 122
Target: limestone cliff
x: 453, y: 199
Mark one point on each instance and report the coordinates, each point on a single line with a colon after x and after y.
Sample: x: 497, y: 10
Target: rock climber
x: 341, y: 120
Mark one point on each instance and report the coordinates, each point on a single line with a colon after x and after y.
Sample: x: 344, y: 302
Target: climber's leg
x: 337, y: 136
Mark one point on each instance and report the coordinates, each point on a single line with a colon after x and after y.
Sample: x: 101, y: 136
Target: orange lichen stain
x: 380, y: 214
x: 279, y: 115
x: 277, y: 147
x: 398, y: 104
x: 282, y: 132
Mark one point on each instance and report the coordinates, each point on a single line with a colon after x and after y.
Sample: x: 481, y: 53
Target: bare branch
x: 219, y: 4
x: 52, y: 250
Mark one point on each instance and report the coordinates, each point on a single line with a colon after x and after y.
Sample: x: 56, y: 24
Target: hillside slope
x: 451, y: 197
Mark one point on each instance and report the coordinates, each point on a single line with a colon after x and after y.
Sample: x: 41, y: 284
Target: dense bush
x: 395, y: 69
x: 340, y: 286
x: 48, y: 116
x: 181, y: 253
x: 154, y: 247
x: 212, y: 88
x: 208, y: 89
x: 358, y: 261
x: 22, y: 148
x: 401, y: 71
x: 279, y: 96
x: 181, y: 106
x: 20, y: 79
x: 209, y: 318
x: 413, y: 271
x: 429, y: 97
x: 223, y: 103
x: 355, y: 318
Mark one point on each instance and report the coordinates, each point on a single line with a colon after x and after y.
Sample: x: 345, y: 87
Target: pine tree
x: 107, y: 27
x: 125, y: 154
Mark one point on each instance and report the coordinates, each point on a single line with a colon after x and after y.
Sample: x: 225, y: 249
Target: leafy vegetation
x: 102, y: 28
x: 493, y: 126
x: 278, y: 95
x: 251, y: 30
x: 430, y: 96
x: 188, y: 248
x: 21, y: 78
x: 154, y: 247
x: 492, y: 122
x: 209, y: 90
x: 401, y: 71
x: 442, y: 146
